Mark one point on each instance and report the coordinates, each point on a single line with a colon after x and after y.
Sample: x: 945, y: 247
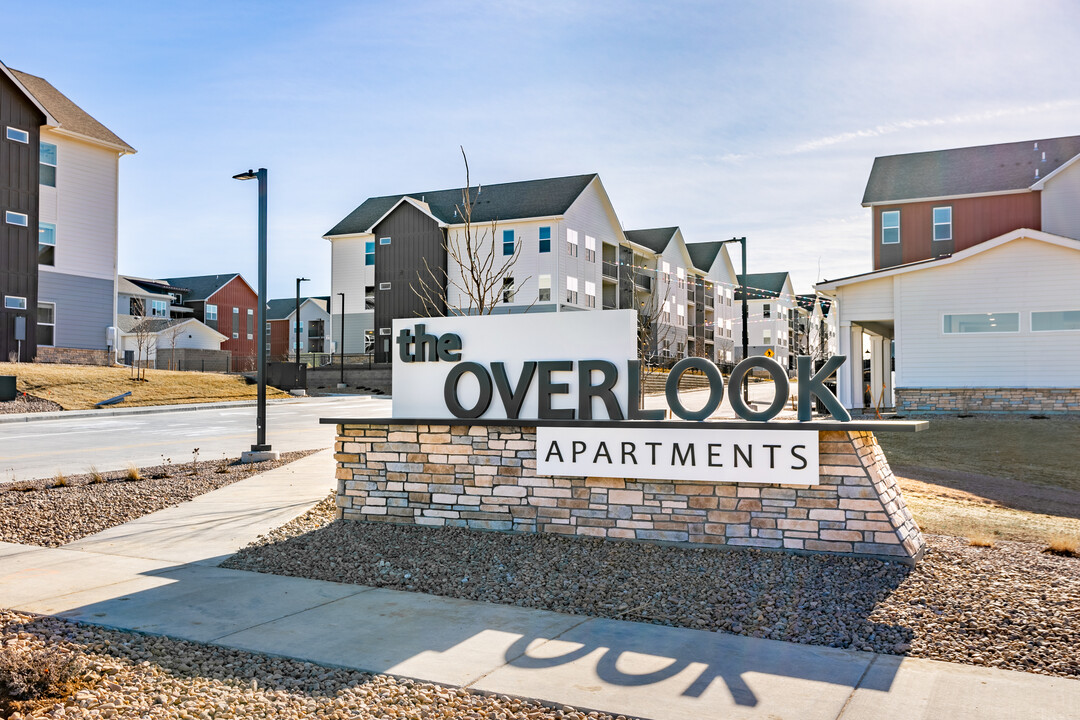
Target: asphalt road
x: 71, y: 445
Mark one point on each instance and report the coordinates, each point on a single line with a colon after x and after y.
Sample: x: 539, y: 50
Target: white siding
x: 870, y: 300
x: 83, y: 206
x: 1061, y: 203
x: 591, y: 214
x: 1019, y: 276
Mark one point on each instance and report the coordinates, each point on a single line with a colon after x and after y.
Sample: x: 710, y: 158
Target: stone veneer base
x: 1050, y: 401
x: 484, y: 477
x: 73, y: 356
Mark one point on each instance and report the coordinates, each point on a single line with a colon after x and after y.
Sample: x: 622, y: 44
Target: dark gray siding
x: 19, y: 193
x: 83, y: 309
x: 413, y: 237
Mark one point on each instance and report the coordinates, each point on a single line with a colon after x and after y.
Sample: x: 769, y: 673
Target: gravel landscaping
x: 24, y: 403
x: 55, y: 511
x: 126, y: 675
x: 1010, y: 606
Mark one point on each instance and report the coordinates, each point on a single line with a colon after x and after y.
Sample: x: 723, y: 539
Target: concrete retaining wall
x: 374, y: 378
x: 484, y: 477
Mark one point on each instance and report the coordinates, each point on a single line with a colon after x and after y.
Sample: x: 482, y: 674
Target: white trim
x: 10, y: 130
x: 934, y: 223
x: 1017, y: 234
x: 421, y: 206
x: 49, y: 119
x: 383, y: 286
x: 93, y: 141
x: 938, y: 198
x: 883, y: 228
x: 1042, y: 182
x: 38, y: 323
x: 14, y: 307
x: 9, y: 214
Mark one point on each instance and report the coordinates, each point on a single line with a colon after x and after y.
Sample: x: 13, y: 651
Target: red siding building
x: 228, y: 304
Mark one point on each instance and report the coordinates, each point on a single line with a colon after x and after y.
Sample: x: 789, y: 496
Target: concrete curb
x: 144, y: 410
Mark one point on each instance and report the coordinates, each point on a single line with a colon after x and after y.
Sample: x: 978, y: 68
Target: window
x: 47, y: 174
x: 982, y: 323
x: 890, y: 227
x: 46, y: 323
x: 298, y: 326
x: 766, y: 310
x: 666, y: 270
x: 18, y: 135
x: 159, y: 308
x: 369, y: 341
x: 590, y: 248
x: 14, y: 218
x: 1055, y: 320
x: 681, y: 312
x: 46, y: 244
x: 369, y: 252
x: 236, y: 336
x: 13, y: 302
x: 545, y: 239
x: 545, y: 288
x: 268, y: 328
x: 679, y: 275
x: 665, y: 312
x: 384, y: 331
x: 571, y: 243
x: 590, y: 294
x: 250, y: 324
x: 508, y: 242
x: 315, y: 328
x: 384, y: 241
x: 211, y: 311
x: 384, y: 286
x: 508, y: 290
x: 571, y: 290
x: 943, y: 223
x: 766, y: 336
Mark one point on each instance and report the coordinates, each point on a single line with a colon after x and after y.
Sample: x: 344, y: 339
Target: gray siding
x: 355, y: 325
x: 84, y: 309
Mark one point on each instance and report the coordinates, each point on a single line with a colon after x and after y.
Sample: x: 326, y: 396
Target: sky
x: 755, y: 119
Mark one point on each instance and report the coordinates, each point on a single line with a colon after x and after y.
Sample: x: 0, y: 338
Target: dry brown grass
x: 980, y: 539
x: 132, y: 473
x: 78, y: 387
x: 1067, y: 545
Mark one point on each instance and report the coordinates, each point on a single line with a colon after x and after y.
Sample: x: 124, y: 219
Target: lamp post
x: 260, y: 451
x: 745, y: 314
x: 341, y: 382
x: 297, y: 326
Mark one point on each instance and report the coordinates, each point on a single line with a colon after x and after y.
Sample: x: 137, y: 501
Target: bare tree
x: 172, y: 334
x: 480, y: 276
x: 653, y: 327
x: 145, y: 340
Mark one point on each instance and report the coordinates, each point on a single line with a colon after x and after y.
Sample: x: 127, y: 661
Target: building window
x: 14, y: 218
x: 680, y: 276
x: 46, y: 244
x: 369, y: 341
x: 571, y: 290
x: 159, y: 308
x: 766, y: 336
x: 665, y: 271
x: 384, y: 286
x: 1055, y: 320
x: 665, y: 312
x: 236, y: 336
x: 369, y: 252
x: 13, y: 302
x: 981, y: 323
x: 590, y: 293
x: 571, y: 243
x: 681, y: 312
x: 251, y: 324
x: 766, y: 310
x: 545, y: 239
x: 46, y: 323
x: 545, y: 288
x: 211, y: 311
x: 943, y: 223
x: 47, y: 174
x: 384, y: 241
x: 384, y: 331
x: 590, y: 248
x: 508, y: 290
x: 890, y: 227
x: 19, y: 136
x: 508, y: 242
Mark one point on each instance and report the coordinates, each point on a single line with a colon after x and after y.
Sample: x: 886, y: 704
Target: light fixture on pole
x: 341, y: 382
x: 261, y: 450
x: 297, y: 319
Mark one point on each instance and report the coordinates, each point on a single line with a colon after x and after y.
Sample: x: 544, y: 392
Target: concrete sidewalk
x: 158, y: 574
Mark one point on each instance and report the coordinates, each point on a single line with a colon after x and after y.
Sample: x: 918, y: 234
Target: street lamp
x: 298, y: 281
x: 260, y: 451
x: 341, y: 382
x: 745, y: 314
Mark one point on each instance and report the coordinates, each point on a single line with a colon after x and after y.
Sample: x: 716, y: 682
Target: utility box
x: 286, y: 375
x: 7, y: 388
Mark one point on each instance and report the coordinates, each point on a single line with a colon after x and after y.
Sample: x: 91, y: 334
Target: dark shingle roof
x: 70, y: 116
x: 656, y: 239
x: 703, y: 254
x: 806, y: 302
x: 200, y: 287
x: 966, y: 171
x: 281, y: 308
x: 762, y: 285
x: 505, y: 201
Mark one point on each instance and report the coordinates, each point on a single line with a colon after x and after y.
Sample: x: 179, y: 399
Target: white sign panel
x: 422, y: 365
x: 788, y: 457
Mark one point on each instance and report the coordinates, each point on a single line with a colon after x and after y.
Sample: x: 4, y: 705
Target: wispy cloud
x: 899, y: 126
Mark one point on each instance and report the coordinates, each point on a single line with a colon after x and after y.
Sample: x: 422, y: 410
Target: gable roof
x: 761, y: 285
x: 806, y: 302
x: 69, y: 116
x: 282, y: 308
x: 505, y: 201
x: 703, y: 254
x: 200, y: 287
x: 1007, y: 167
x: 656, y: 239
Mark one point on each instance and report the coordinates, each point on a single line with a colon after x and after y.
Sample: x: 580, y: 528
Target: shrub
x: 60, y: 479
x: 132, y: 473
x: 36, y: 674
x: 95, y: 476
x: 980, y: 538
x: 1066, y: 545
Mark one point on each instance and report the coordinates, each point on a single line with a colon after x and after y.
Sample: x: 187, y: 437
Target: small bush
x: 979, y: 538
x: 95, y: 476
x: 36, y: 674
x: 132, y: 473
x: 60, y: 479
x: 1065, y: 545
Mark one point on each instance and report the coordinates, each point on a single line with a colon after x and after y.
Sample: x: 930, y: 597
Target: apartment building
x: 314, y: 326
x: 58, y: 238
x: 771, y: 319
x: 403, y: 256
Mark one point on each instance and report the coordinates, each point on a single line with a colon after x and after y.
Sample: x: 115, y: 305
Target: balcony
x: 710, y: 301
x: 610, y: 270
x: 643, y: 281
x: 610, y: 306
